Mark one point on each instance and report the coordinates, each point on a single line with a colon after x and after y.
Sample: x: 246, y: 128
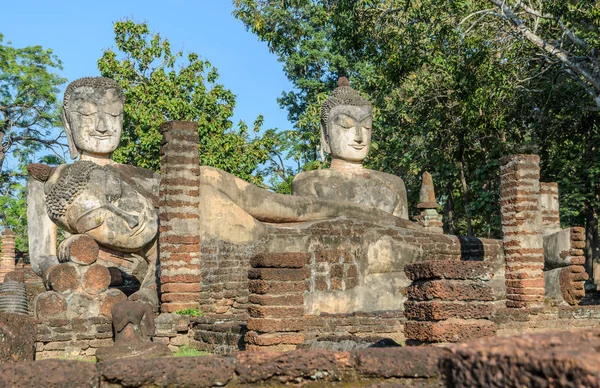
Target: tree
x: 162, y: 85
x: 29, y: 112
x: 453, y: 90
x: 565, y: 32
x: 28, y: 103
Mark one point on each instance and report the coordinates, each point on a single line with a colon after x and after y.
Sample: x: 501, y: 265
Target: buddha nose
x: 358, y: 134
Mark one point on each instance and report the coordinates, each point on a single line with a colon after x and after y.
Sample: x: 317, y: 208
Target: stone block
x: 96, y: 279
x: 280, y: 260
x: 452, y: 330
x: 83, y: 249
x: 254, y: 338
x: 274, y: 300
x: 450, y: 290
x: 563, y: 359
x: 17, y: 338
x: 64, y: 278
x: 274, y: 287
x: 438, y: 310
x: 275, y: 312
x: 50, y: 305
x: 265, y: 325
x: 49, y: 373
x: 462, y: 270
x: 279, y: 274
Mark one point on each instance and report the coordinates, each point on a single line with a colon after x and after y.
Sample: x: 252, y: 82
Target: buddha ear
x: 324, y: 143
x: 74, y: 152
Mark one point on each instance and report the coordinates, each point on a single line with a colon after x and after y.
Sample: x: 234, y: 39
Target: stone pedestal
x: 522, y: 228
x: 7, y: 257
x: 276, y: 301
x: 77, y: 288
x: 179, y: 216
x: 133, y: 325
x: 448, y: 301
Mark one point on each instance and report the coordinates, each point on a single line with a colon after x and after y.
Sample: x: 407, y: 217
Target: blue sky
x: 79, y: 31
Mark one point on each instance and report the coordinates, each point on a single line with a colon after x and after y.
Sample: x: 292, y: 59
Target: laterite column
x: 7, y: 257
x: 522, y: 228
x: 179, y: 240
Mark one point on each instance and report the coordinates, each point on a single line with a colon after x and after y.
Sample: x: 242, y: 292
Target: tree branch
x: 556, y: 52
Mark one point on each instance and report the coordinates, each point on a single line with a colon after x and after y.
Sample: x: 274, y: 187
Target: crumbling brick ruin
x: 340, y: 284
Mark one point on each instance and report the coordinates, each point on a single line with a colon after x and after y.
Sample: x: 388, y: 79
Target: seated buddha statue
x: 113, y: 203
x: 346, y: 127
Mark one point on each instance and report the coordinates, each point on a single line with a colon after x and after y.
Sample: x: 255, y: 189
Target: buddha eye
x: 113, y: 114
x: 344, y: 121
x: 87, y: 113
x: 367, y: 122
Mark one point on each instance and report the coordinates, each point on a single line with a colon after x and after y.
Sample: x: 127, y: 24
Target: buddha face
x: 113, y: 213
x: 349, y: 132
x: 95, y: 118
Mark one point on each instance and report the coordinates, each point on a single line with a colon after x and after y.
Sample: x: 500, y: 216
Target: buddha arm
x: 279, y: 208
x: 41, y: 231
x: 401, y: 209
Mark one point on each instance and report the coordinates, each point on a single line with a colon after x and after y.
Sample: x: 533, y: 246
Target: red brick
x: 180, y: 297
x: 183, y: 278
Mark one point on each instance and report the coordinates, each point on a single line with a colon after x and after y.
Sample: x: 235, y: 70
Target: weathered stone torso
x: 367, y: 187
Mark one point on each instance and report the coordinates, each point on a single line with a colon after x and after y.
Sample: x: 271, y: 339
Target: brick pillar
x: 549, y: 206
x: 7, y: 257
x: 522, y: 228
x: 179, y: 239
x: 276, y: 301
x: 448, y: 301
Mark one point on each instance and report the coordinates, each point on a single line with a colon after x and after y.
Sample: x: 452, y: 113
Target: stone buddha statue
x: 346, y: 127
x: 114, y: 204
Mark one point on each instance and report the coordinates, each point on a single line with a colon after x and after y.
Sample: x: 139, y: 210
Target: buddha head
x: 346, y: 124
x: 93, y: 116
x: 85, y: 198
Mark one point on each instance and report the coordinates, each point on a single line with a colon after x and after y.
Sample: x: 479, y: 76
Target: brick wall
x: 179, y: 241
x: 379, y: 324
x: 224, y: 285
x: 546, y: 319
x: 76, y: 338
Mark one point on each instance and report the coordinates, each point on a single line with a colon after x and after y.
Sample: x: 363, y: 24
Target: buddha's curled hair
x: 342, y: 95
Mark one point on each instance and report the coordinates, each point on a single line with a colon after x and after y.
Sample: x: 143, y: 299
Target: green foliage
x: 453, y: 89
x: 188, y: 351
x: 191, y: 312
x: 28, y: 114
x: 162, y: 85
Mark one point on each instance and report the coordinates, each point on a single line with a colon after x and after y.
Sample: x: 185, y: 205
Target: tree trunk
x: 464, y: 186
x: 449, y: 225
x: 592, y: 241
